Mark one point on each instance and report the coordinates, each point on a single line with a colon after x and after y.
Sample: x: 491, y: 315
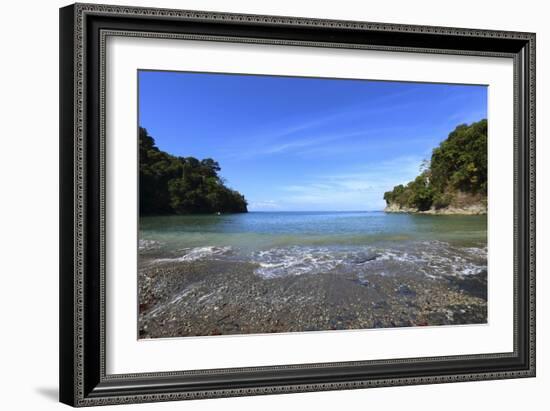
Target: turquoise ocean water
x: 296, y: 243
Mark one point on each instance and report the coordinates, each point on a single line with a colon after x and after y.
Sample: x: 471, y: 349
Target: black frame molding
x: 83, y: 32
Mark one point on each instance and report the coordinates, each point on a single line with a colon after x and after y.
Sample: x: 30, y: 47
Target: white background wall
x: 29, y: 204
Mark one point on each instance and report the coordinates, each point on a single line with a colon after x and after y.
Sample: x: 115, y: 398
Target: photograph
x: 279, y: 204
x: 272, y: 201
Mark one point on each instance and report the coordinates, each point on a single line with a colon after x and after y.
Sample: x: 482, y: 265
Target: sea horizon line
x: 314, y: 211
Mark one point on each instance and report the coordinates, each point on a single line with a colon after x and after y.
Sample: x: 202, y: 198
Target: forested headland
x: 182, y: 185
x: 455, y: 179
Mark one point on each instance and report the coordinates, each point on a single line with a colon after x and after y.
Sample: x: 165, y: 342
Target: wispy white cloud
x: 296, y: 135
x: 264, y: 205
x: 467, y: 115
x: 359, y: 189
x: 304, y: 143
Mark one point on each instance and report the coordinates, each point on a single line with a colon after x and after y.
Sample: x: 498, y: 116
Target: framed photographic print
x: 262, y: 204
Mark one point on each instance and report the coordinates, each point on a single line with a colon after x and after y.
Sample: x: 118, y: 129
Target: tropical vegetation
x: 182, y: 185
x: 457, y: 169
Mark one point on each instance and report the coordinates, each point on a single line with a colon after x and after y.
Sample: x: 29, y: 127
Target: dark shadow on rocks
x: 475, y: 285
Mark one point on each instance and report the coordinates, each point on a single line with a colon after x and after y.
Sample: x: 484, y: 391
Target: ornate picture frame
x: 84, y: 30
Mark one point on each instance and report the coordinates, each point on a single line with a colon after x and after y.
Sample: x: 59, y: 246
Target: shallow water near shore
x: 315, y: 242
x: 355, y: 269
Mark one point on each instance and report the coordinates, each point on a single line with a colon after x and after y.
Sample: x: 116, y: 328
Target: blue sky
x: 305, y: 144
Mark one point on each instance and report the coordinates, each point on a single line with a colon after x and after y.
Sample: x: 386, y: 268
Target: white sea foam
x: 199, y: 253
x: 279, y: 262
x: 436, y: 259
x: 433, y: 259
x: 148, y: 244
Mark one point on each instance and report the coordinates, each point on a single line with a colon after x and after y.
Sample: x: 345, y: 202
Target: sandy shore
x: 201, y: 298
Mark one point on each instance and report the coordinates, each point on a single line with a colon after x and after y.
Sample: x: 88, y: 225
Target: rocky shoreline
x: 473, y: 209
x: 209, y: 297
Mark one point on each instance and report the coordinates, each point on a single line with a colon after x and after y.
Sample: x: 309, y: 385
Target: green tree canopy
x: 459, y: 164
x: 182, y: 185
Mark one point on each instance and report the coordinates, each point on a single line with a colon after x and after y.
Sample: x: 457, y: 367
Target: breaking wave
x: 434, y: 259
x: 199, y: 253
